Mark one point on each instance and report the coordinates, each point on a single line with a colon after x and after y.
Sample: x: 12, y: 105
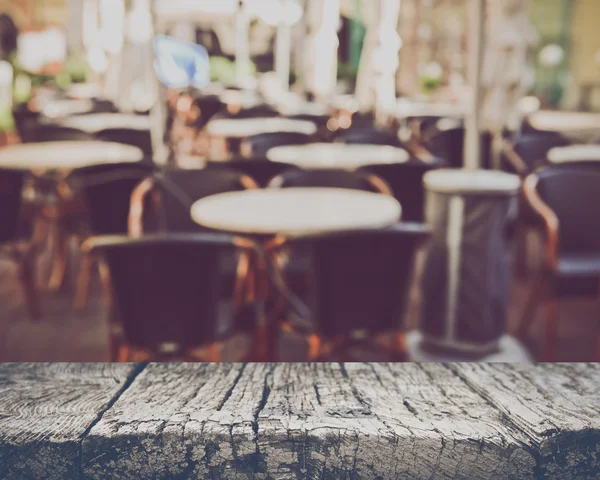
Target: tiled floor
x: 62, y: 335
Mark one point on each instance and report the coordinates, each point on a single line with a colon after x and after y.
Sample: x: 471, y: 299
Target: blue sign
x: 180, y: 64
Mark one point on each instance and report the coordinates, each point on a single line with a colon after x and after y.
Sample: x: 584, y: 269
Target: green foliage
x: 7, y: 122
x: 223, y: 70
x: 429, y: 84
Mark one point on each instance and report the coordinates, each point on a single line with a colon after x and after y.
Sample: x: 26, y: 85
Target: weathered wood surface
x: 292, y: 421
x: 47, y: 409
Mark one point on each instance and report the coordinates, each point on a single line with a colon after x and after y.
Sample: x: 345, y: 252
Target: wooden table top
x: 337, y: 155
x: 66, y: 155
x: 298, y: 420
x: 295, y: 211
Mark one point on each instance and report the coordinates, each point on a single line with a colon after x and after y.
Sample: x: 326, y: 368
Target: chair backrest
x: 361, y: 278
x: 325, y: 178
x: 573, y: 193
x: 107, y: 190
x: 406, y: 182
x: 11, y: 188
x: 368, y: 135
x: 179, y: 189
x: 261, y: 169
x: 533, y: 148
x: 55, y: 133
x: 449, y: 145
x: 259, y: 144
x: 166, y: 288
x: 129, y: 136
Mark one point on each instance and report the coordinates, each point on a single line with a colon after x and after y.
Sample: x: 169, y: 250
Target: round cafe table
x: 245, y: 127
x: 337, y: 155
x: 63, y: 108
x: 62, y: 157
x: 574, y: 153
x: 68, y: 155
x: 583, y: 126
x: 295, y: 211
x: 95, y: 122
x: 290, y: 212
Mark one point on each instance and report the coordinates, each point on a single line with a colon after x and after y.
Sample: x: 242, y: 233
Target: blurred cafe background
x: 298, y: 180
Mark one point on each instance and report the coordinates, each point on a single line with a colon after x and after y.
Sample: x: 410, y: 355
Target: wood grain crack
x: 126, y: 384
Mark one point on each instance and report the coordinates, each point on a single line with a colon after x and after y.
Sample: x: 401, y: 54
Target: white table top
x: 574, y: 153
x: 62, y: 108
x: 461, y: 181
x: 564, y: 121
x: 336, y: 155
x: 295, y: 211
x: 94, y: 122
x: 245, y: 127
x: 66, y: 155
x: 422, y: 109
x: 84, y: 90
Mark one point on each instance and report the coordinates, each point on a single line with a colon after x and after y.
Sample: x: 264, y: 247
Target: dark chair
x: 331, y: 179
x: 360, y: 283
x: 449, y: 146
x: 368, y: 135
x: 258, y: 145
x: 527, y: 151
x: 54, y: 133
x: 319, y: 120
x: 25, y: 120
x: 177, y: 191
x: 406, y: 182
x: 11, y: 241
x: 257, y: 111
x: 166, y: 295
x: 522, y: 155
x: 207, y: 107
x: 129, y: 136
x: 565, y: 197
x: 106, y: 191
x: 261, y: 169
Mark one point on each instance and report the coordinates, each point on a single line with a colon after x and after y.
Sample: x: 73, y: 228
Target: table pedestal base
x: 511, y: 350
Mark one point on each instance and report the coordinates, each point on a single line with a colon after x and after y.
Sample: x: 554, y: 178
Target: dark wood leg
x: 538, y: 292
x: 59, y: 268
x: 521, y: 266
x: 83, y: 283
x: 27, y: 277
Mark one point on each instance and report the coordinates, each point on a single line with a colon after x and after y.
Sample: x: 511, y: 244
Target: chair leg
x: 399, y: 344
x: 27, y: 277
x: 59, y: 268
x: 214, y: 352
x: 83, y: 283
x: 314, y: 347
x: 122, y: 353
x: 551, y: 330
x: 537, y: 293
x: 521, y: 266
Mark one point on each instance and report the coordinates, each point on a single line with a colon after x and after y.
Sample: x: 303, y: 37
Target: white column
x: 320, y: 59
x: 158, y: 113
x: 376, y: 84
x: 472, y: 151
x: 6, y: 86
x: 283, y: 47
x: 242, y: 43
